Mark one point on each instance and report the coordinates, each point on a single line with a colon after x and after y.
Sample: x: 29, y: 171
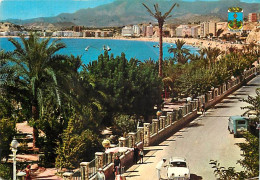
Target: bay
x: 141, y: 50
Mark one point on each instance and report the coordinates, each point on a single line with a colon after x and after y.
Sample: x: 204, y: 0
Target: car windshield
x: 178, y: 164
x: 241, y: 122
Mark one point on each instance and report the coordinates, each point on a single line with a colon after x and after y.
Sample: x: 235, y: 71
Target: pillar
x: 67, y: 175
x: 146, y: 134
x: 84, y: 170
x: 170, y: 117
x: 162, y: 119
x: 133, y: 139
x: 122, y: 142
x: 99, y: 159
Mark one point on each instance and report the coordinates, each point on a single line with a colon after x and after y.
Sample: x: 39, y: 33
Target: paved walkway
x: 48, y: 173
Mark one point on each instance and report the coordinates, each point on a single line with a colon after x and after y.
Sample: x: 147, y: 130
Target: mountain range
x: 125, y: 12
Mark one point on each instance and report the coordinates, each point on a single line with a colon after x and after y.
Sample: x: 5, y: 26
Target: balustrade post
x: 122, y: 142
x: 84, y: 170
x: 133, y: 139
x: 162, y: 119
x: 67, y: 175
x: 170, y: 117
x: 99, y: 160
x: 146, y: 134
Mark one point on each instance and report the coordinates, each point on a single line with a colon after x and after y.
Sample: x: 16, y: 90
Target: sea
x: 90, y: 49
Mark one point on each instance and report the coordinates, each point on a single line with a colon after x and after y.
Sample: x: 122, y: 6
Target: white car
x: 178, y: 169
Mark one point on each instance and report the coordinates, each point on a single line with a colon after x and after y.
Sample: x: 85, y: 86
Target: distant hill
x: 124, y: 12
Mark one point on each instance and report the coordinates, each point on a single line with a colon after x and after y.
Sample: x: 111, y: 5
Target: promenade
x: 203, y: 139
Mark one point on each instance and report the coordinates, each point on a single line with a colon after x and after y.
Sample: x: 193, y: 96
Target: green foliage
x: 250, y: 155
x: 125, y: 123
x: 254, y: 102
x: 210, y: 68
x: 181, y: 54
x: 226, y: 174
x: 77, y: 145
x: 7, y: 132
x: 131, y: 87
x: 5, y: 171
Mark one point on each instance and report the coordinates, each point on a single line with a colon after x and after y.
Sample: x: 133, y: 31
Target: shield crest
x: 235, y: 19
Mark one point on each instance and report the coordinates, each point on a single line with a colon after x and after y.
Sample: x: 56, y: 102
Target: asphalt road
x: 203, y: 139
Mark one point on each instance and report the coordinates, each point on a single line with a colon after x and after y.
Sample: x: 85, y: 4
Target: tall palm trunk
x: 161, y: 19
x: 160, y: 49
x: 35, y: 116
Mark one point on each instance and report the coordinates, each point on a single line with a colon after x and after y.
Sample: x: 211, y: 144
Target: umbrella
x: 117, y: 149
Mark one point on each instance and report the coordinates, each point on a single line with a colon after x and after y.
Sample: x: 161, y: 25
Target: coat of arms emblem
x: 235, y: 19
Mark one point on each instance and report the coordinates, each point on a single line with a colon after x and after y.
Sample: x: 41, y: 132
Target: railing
x: 127, y: 142
x: 107, y: 159
x: 76, y: 175
x: 151, y: 129
x: 138, y: 136
x: 92, y: 168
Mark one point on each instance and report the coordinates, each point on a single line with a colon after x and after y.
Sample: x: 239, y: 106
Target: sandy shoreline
x: 200, y: 43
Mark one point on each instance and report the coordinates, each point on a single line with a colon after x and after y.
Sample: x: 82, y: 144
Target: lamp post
x: 14, y: 145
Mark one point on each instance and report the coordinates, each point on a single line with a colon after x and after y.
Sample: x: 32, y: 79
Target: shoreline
x: 199, y: 43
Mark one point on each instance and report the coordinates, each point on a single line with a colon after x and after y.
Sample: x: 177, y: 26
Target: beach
x: 200, y: 43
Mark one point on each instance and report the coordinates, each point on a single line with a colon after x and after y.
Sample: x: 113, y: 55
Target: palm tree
x: 181, y: 54
x: 36, y: 65
x: 211, y: 54
x: 161, y: 19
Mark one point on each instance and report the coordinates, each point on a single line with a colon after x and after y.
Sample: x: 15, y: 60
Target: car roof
x: 236, y: 118
x: 174, y: 159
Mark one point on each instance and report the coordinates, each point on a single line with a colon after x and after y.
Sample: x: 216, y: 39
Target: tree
x: 78, y: 145
x: 7, y: 132
x: 36, y: 66
x: 211, y: 54
x: 131, y: 87
x: 181, y: 54
x: 161, y: 19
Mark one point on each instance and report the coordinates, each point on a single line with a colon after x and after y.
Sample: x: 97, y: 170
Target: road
x: 203, y: 139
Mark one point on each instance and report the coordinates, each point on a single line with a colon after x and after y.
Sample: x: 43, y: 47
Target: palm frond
x: 149, y: 10
x: 166, y: 15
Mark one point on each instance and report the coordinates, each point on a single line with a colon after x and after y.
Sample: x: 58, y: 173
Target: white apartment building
x: 195, y: 31
x: 127, y: 31
x: 183, y: 30
x: 136, y: 30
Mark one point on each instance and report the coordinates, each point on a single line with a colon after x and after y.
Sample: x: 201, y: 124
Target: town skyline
x: 13, y: 9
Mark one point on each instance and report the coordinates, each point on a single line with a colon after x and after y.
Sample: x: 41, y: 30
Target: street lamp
x: 14, y: 145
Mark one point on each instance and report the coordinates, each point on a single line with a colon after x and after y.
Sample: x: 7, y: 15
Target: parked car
x: 178, y: 169
x: 237, y: 125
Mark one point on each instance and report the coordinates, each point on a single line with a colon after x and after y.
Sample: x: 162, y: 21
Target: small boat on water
x: 86, y: 49
x: 106, y: 48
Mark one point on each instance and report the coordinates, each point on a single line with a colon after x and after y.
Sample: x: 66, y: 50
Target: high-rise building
x: 253, y: 17
x: 136, y: 30
x: 207, y: 28
x: 149, y: 31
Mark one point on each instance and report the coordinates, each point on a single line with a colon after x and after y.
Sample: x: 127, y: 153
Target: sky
x: 27, y: 9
